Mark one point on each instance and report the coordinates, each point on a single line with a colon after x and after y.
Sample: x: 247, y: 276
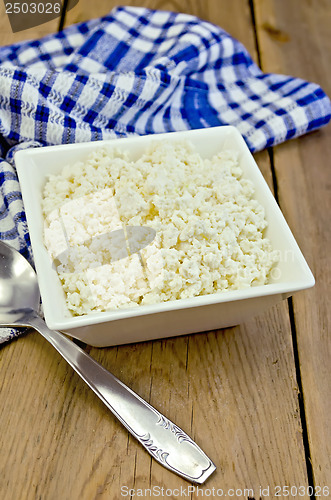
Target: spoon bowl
x: 167, y: 443
x: 19, y: 291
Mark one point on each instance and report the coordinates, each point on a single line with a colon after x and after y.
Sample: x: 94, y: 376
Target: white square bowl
x: 176, y: 317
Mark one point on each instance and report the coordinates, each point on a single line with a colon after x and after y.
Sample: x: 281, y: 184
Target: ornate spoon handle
x: 166, y: 442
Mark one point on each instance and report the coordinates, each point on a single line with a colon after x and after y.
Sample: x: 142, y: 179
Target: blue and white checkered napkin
x: 138, y: 71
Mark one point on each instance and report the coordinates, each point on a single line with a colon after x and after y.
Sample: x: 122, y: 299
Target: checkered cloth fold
x: 138, y: 71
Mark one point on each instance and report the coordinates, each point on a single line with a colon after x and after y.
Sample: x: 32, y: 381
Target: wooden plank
x: 30, y: 376
x: 234, y: 391
x: 297, y: 41
x: 232, y: 16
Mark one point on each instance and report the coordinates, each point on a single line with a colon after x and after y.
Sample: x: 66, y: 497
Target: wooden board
x: 297, y: 41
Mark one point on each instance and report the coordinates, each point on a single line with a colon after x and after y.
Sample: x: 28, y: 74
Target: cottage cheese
x: 209, y: 228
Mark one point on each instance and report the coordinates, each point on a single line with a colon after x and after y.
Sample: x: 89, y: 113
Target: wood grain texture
x: 240, y: 449
x: 234, y: 391
x: 303, y: 176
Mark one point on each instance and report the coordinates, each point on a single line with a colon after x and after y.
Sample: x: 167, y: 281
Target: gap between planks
x: 303, y: 416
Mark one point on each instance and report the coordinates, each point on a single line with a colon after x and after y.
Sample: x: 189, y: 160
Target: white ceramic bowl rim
x: 34, y: 165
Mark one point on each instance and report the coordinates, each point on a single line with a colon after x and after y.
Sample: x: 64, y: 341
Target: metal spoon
x: 167, y: 443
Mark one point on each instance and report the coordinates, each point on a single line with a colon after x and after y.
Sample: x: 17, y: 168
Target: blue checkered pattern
x: 138, y: 71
